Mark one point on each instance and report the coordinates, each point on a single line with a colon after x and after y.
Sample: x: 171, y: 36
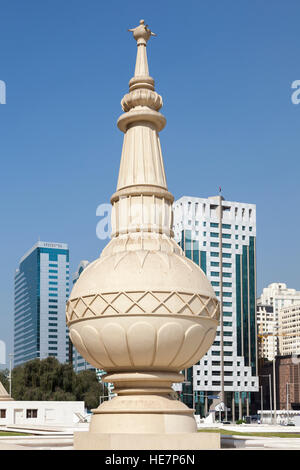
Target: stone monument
x: 4, y: 396
x: 142, y: 311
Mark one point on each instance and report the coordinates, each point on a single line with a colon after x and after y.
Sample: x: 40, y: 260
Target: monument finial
x: 142, y: 33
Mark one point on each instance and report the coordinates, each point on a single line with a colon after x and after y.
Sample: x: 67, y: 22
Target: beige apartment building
x: 289, y: 330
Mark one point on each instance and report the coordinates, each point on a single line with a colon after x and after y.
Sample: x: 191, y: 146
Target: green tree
x: 48, y: 379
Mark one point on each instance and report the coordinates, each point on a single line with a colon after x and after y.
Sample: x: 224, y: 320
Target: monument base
x: 176, y: 441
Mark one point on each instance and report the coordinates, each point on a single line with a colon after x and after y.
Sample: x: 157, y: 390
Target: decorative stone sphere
x: 140, y: 309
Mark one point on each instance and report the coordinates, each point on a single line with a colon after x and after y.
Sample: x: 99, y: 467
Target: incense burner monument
x: 142, y: 311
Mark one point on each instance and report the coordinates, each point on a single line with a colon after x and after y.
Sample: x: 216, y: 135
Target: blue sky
x: 224, y: 69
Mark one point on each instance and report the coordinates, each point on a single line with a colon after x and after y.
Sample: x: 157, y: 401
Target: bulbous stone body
x: 143, y: 309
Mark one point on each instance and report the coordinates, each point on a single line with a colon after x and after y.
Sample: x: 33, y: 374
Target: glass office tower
x: 41, y: 292
x: 227, y: 255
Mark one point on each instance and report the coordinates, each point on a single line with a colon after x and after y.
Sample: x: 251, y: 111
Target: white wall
x: 49, y: 412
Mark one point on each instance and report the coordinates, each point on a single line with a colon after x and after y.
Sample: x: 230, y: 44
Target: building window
x: 214, y: 273
x: 226, y: 245
x: 214, y: 244
x: 31, y: 413
x: 214, y: 234
x: 226, y: 235
x: 214, y: 254
x: 226, y: 226
x: 226, y: 255
x: 2, y: 414
x: 214, y: 263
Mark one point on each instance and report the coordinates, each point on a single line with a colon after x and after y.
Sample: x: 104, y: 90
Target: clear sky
x: 224, y: 69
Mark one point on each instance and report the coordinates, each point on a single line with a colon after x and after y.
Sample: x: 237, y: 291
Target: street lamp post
x: 274, y: 389
x: 261, y: 403
x: 221, y: 300
x: 270, y: 388
x: 11, y: 355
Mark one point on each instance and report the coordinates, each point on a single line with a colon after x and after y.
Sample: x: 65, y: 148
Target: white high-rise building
x: 41, y: 292
x: 276, y: 296
x: 227, y: 254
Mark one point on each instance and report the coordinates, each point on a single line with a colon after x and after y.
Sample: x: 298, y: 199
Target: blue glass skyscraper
x: 41, y: 292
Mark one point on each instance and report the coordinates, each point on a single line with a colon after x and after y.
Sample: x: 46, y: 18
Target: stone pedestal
x: 175, y: 441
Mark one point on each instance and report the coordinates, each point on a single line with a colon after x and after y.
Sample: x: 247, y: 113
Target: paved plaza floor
x: 61, y: 438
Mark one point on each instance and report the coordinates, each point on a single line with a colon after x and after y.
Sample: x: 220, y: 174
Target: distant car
x: 226, y: 422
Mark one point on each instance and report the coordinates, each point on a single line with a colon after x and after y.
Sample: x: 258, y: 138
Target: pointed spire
x: 142, y: 176
x: 141, y: 34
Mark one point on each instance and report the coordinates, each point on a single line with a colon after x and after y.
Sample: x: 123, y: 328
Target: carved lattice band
x: 138, y: 303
